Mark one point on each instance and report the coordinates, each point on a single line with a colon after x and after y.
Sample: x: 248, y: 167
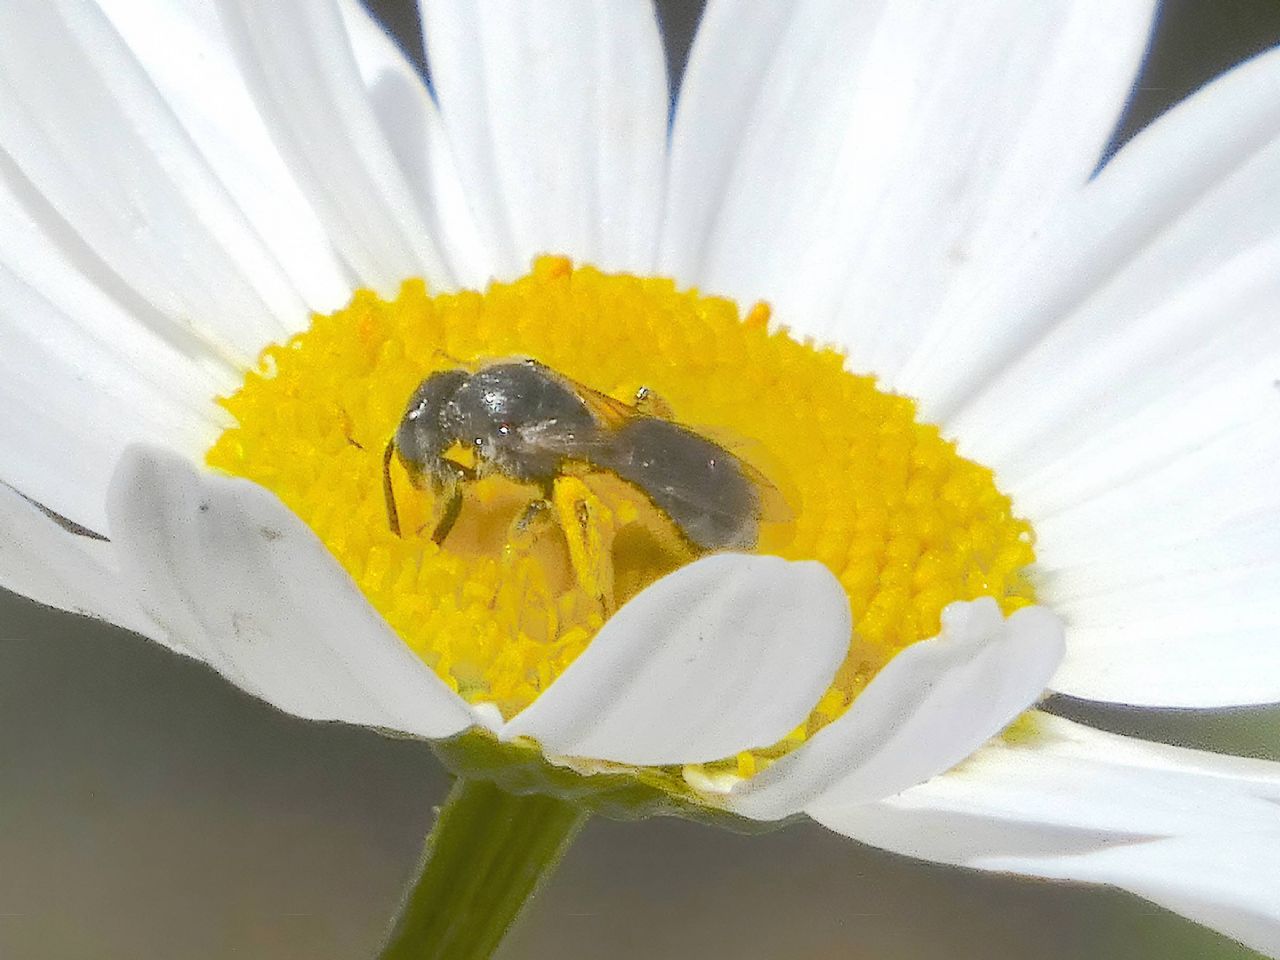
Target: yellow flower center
x: 510, y: 596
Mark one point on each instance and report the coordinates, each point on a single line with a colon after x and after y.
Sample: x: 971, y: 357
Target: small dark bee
x: 523, y: 420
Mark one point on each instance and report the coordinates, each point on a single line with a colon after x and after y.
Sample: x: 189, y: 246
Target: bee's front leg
x: 447, y: 480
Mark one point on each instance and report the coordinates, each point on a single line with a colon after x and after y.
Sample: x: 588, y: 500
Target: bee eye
x: 479, y: 441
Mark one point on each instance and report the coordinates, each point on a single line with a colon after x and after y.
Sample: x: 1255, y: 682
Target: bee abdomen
x: 697, y: 483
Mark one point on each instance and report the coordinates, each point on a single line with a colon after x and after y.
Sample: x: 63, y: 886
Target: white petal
x: 41, y: 560
x: 557, y: 113
x: 410, y: 120
x: 1227, y: 882
x: 1126, y: 397
x: 87, y: 131
x: 928, y: 709
x: 728, y: 653
x: 236, y: 577
x: 187, y: 55
x: 859, y: 164
x: 1067, y: 801
x: 80, y: 378
x: 298, y: 61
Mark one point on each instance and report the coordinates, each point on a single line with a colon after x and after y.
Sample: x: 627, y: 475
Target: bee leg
x: 524, y: 579
x: 449, y: 480
x: 388, y: 489
x: 589, y: 529
x: 449, y: 516
x: 652, y: 405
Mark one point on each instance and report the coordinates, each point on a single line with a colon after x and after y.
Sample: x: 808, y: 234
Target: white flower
x: 909, y: 180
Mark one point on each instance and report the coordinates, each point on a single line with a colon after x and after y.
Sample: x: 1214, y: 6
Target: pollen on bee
x: 499, y: 610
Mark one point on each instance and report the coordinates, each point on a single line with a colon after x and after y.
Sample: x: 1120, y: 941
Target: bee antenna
x: 438, y: 352
x: 388, y: 491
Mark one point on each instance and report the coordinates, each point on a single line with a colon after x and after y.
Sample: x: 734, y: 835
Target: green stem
x: 484, y: 860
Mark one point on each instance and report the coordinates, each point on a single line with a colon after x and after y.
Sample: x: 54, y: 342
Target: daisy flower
x: 994, y: 423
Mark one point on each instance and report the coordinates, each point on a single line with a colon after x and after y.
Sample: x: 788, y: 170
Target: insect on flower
x: 1018, y: 380
x: 525, y: 421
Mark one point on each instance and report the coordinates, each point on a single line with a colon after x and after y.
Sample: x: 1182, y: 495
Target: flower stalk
x: 487, y: 855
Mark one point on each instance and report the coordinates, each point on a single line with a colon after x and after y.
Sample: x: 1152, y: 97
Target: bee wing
x: 571, y: 440
x: 778, y: 503
x: 551, y: 436
x: 610, y: 412
x: 771, y: 506
x: 601, y: 449
x: 717, y: 498
x: 775, y: 507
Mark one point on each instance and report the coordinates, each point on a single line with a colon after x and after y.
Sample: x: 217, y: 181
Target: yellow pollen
x: 512, y: 596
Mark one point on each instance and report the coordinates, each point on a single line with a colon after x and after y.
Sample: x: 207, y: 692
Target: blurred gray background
x: 149, y: 810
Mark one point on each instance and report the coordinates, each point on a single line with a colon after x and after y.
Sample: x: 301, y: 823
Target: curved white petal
x: 85, y: 131
x: 728, y: 653
x: 1126, y: 396
x: 297, y: 59
x: 80, y: 377
x: 1062, y: 800
x: 557, y: 115
x: 860, y: 164
x: 235, y: 577
x: 1227, y: 882
x: 187, y: 56
x: 928, y: 709
x: 411, y: 123
x: 41, y: 560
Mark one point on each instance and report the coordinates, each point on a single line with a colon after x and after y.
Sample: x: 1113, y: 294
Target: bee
x: 529, y: 423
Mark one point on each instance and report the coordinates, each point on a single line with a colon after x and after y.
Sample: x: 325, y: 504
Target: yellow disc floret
x: 502, y: 606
